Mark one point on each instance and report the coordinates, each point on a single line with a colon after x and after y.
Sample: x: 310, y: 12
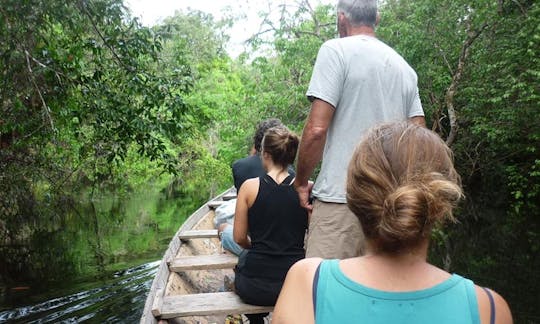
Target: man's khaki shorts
x: 334, y: 232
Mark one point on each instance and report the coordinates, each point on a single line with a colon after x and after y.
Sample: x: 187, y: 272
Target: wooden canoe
x: 189, y: 286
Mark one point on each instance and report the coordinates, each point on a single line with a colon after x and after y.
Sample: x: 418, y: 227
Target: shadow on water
x: 120, y: 299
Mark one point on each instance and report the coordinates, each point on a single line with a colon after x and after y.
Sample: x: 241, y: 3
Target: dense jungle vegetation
x: 93, y: 103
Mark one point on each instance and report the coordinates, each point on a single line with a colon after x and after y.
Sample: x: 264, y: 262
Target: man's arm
x: 418, y: 120
x: 311, y: 147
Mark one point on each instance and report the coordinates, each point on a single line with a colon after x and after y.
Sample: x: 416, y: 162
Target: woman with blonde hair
x: 401, y: 184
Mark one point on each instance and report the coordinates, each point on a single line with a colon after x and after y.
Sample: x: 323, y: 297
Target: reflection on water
x: 85, y: 264
x: 121, y: 299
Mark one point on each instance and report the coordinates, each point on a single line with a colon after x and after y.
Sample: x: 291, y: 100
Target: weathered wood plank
x: 229, y: 196
x: 158, y: 302
x: 195, y: 234
x: 215, y: 203
x: 204, y: 262
x: 222, y: 303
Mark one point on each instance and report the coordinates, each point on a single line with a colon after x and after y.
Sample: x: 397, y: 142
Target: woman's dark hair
x: 262, y: 127
x: 281, y: 144
x: 401, y: 182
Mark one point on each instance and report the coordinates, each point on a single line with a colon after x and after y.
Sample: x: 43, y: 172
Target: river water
x: 95, y: 263
x: 121, y: 298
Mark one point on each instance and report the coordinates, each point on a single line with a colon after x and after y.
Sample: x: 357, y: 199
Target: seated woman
x: 268, y: 209
x: 242, y: 170
x: 401, y: 184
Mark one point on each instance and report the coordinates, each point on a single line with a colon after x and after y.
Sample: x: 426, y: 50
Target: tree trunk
x: 456, y: 78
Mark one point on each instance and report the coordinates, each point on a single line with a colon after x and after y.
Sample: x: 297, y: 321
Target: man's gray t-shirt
x: 367, y: 83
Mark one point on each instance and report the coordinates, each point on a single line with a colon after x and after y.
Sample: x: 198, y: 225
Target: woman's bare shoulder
x: 301, y: 274
x: 502, y: 311
x: 250, y: 183
x: 306, y: 266
x: 249, y: 189
x: 295, y: 304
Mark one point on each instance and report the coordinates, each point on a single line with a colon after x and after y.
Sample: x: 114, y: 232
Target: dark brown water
x: 118, y: 299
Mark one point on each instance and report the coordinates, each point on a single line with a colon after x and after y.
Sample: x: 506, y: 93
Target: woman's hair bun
x: 401, y: 182
x: 281, y: 144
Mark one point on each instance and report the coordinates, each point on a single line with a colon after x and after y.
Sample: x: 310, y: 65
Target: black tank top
x: 277, y: 226
x: 277, y: 222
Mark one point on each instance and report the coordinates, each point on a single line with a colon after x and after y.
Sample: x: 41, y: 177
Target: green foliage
x: 81, y: 95
x: 278, y: 84
x: 196, y: 41
x: 192, y: 40
x: 84, y: 72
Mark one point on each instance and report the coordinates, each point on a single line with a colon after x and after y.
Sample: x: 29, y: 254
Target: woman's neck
x: 410, y: 257
x: 276, y: 172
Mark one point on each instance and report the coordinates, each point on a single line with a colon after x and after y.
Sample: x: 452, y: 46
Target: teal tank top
x: 338, y: 299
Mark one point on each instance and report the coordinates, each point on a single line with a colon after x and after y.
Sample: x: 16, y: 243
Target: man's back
x: 250, y: 167
x: 247, y: 168
x: 368, y: 83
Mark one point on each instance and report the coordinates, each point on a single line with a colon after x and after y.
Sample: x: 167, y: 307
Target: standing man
x: 357, y: 82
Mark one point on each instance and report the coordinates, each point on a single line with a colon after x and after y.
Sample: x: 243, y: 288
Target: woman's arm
x: 246, y: 196
x: 295, y: 302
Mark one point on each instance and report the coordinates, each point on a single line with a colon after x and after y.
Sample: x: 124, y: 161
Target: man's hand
x: 304, y: 191
x: 311, y: 148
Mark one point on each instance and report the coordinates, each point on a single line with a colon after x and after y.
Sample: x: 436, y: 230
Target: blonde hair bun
x: 401, y: 182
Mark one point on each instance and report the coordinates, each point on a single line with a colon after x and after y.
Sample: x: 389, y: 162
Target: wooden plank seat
x: 194, y: 234
x: 229, y: 196
x: 221, y: 303
x: 215, y: 203
x: 203, y: 262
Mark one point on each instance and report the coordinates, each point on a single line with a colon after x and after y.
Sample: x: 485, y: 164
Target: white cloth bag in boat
x: 225, y: 213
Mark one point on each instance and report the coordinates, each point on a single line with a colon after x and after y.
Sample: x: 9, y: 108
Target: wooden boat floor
x: 199, y: 281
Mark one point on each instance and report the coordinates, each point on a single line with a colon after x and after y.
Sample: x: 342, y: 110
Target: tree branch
x: 456, y: 78
x: 94, y: 26
x: 314, y: 17
x: 521, y: 8
x: 445, y: 59
x: 46, y: 110
x: 56, y: 73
